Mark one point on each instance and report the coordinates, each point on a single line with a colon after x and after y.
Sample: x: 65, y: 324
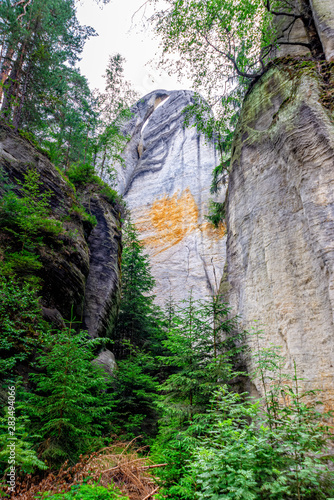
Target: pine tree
x: 137, y: 339
x: 112, y: 106
x: 38, y: 37
x: 139, y: 319
x: 70, y: 401
x: 202, y: 344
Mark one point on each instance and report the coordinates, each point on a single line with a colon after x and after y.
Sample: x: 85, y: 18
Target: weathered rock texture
x: 78, y: 254
x: 106, y: 359
x: 166, y: 185
x: 103, y: 292
x: 280, y: 221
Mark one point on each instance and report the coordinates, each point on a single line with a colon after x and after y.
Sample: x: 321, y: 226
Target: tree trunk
x: 5, y: 69
x: 17, y: 113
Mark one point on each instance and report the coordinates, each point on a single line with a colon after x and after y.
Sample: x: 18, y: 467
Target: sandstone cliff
x: 280, y: 218
x: 166, y: 185
x: 82, y: 261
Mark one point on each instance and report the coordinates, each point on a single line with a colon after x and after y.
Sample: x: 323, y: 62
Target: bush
x: 216, y: 213
x: 25, y: 220
x: 26, y: 459
x: 81, y: 213
x: 21, y: 324
x: 88, y: 492
x: 81, y: 174
x: 244, y: 457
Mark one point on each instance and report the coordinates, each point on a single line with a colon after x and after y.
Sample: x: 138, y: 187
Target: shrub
x: 25, y: 220
x: 88, y: 492
x: 26, y: 459
x: 216, y: 213
x: 243, y: 457
x: 81, y: 213
x: 21, y: 324
x: 81, y: 173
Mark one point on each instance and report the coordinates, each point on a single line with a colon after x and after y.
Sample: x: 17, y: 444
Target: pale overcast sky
x: 118, y: 33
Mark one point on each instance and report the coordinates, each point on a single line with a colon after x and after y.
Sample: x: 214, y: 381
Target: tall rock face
x: 166, y: 185
x: 323, y: 13
x: 280, y: 219
x: 80, y: 273
x: 103, y: 290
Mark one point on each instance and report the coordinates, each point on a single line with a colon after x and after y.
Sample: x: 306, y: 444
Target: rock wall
x: 166, y: 185
x: 280, y: 220
x: 103, y: 290
x: 84, y: 261
x: 323, y: 13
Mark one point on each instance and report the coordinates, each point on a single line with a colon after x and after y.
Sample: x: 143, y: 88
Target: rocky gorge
x: 278, y: 241
x: 167, y: 270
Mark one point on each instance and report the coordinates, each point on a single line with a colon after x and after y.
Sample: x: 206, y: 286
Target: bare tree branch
x: 20, y: 2
x: 232, y: 59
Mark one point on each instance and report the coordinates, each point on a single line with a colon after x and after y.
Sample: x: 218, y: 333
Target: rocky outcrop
x: 107, y: 361
x: 166, y: 185
x: 323, y: 13
x: 80, y: 254
x: 103, y: 291
x: 280, y: 220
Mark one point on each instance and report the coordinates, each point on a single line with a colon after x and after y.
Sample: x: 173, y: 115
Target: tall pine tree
x: 138, y: 321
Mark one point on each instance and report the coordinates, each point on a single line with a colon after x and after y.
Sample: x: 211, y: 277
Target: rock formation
x: 103, y: 291
x: 166, y: 185
x: 280, y: 219
x: 323, y: 13
x: 82, y: 254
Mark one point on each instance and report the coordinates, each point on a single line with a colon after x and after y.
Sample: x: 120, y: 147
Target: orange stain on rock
x: 170, y: 219
x: 212, y: 232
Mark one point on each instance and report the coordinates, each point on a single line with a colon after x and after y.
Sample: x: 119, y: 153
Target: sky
x: 121, y: 31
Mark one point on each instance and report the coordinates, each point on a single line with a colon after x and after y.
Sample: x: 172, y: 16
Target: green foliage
x: 252, y: 449
x: 201, y: 347
x: 113, y: 109
x: 222, y: 46
x: 26, y: 219
x: 29, y: 214
x: 81, y: 173
x: 218, y: 127
x: 43, y: 94
x: 216, y: 213
x: 242, y: 457
x: 41, y: 41
x: 26, y: 458
x: 135, y: 395
x: 111, y: 195
x: 88, y: 492
x: 80, y: 212
x: 69, y: 402
x: 139, y: 319
x: 137, y: 340
x: 21, y: 324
